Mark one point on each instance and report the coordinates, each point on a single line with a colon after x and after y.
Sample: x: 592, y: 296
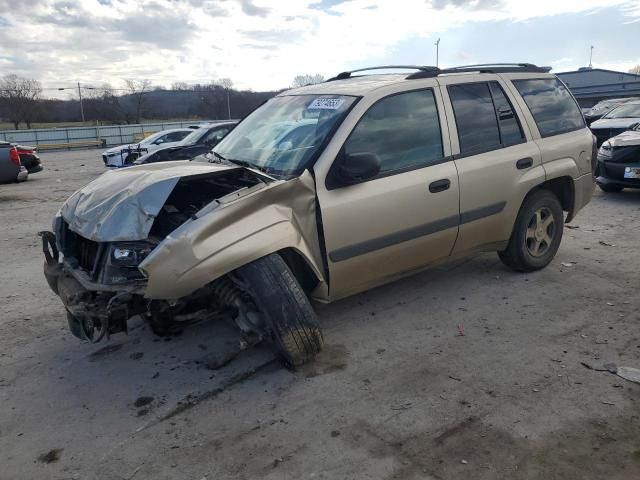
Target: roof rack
x: 430, y: 72
x: 421, y: 68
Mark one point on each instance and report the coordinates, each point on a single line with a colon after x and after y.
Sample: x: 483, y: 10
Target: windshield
x: 625, y: 111
x: 194, y: 136
x: 285, y: 133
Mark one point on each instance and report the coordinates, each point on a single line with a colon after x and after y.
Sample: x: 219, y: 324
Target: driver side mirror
x: 357, y: 167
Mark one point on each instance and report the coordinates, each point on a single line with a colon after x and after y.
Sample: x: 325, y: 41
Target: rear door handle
x: 439, y: 185
x: 524, y: 163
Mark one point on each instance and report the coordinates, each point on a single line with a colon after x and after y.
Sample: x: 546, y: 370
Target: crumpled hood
x: 615, y: 122
x: 629, y: 138
x: 122, y: 204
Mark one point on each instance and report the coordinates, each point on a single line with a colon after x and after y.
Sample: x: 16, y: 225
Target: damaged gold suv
x: 322, y: 192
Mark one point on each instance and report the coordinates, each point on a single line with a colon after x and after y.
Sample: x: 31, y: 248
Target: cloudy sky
x: 263, y: 44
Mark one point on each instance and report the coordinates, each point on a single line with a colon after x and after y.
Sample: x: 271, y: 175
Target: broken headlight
x: 123, y: 260
x: 129, y: 254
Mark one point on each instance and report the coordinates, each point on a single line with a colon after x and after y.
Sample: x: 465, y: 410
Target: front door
x: 408, y: 215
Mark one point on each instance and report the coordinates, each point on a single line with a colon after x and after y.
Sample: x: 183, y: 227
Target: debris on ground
x: 51, y: 456
x: 142, y: 401
x: 221, y: 359
x: 628, y: 373
x: 606, y: 244
x: 461, y: 330
x: 568, y: 264
x: 571, y: 226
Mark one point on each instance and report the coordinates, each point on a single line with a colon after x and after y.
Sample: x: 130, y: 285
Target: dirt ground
x: 399, y: 392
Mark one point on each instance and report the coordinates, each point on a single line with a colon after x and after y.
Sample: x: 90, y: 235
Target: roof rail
x: 425, y: 71
x: 486, y: 68
x: 421, y: 68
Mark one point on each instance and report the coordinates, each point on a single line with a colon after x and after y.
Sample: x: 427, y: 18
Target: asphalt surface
x: 466, y: 371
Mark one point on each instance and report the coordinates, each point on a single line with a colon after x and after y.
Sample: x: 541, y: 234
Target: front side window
x: 476, y: 120
x: 403, y: 130
x: 286, y: 133
x: 552, y: 106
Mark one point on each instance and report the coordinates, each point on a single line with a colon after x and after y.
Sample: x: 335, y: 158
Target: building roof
x: 601, y: 83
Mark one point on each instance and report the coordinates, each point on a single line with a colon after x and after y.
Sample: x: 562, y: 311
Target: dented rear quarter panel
x: 236, y: 232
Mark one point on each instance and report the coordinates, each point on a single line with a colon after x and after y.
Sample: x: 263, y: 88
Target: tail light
x: 15, y: 157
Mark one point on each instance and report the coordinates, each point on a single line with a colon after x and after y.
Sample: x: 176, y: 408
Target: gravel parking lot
x: 466, y: 371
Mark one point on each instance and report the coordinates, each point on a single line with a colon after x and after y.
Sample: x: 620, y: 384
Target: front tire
x: 291, y: 322
x: 536, y: 234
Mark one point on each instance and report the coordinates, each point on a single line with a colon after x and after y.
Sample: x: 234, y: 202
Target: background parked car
x: 619, y: 162
x: 11, y: 170
x: 621, y: 118
x: 126, y: 154
x: 29, y: 158
x: 198, y: 142
x: 603, y: 107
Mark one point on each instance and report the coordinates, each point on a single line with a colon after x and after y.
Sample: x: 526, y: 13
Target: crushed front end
x: 99, y: 283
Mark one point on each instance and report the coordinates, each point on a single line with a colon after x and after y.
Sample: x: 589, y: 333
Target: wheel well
x: 561, y: 187
x: 300, y: 268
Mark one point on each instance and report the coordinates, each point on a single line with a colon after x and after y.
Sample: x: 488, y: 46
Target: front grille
x: 86, y: 252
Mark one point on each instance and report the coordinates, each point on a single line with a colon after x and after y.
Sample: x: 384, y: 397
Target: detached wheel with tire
x: 609, y: 188
x: 536, y: 234
x: 291, y: 322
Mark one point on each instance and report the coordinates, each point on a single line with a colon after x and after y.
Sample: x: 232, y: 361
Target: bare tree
x: 227, y: 84
x: 179, y: 86
x: 302, y: 80
x: 20, y: 96
x: 137, y: 88
x: 635, y: 70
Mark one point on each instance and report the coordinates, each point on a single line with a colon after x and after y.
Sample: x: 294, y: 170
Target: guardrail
x: 107, y: 135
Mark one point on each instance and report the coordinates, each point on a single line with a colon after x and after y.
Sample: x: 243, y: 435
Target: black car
x: 619, y: 162
x: 198, y: 142
x: 603, y: 107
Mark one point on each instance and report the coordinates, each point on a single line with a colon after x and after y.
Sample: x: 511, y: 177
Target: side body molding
x: 234, y: 233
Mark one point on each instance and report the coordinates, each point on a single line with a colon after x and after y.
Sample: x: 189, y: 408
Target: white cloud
x: 259, y: 44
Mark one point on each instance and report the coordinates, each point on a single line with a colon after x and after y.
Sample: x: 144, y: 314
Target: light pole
x: 79, y: 95
x: 591, y: 57
x: 437, y: 52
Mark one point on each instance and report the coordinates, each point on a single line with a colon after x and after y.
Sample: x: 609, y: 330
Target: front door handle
x: 439, y: 185
x: 524, y: 163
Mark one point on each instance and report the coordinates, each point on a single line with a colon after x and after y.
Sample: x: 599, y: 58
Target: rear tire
x: 291, y: 322
x: 610, y: 188
x: 536, y: 234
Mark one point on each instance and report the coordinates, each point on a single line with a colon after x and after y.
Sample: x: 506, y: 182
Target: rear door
x: 407, y: 216
x: 496, y: 161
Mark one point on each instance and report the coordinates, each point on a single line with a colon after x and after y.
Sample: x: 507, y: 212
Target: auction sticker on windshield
x: 326, y: 103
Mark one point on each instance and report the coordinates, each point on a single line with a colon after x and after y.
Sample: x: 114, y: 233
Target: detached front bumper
x: 94, y: 309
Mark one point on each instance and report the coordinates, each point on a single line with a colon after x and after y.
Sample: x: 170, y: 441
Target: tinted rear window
x: 552, y: 106
x: 475, y: 118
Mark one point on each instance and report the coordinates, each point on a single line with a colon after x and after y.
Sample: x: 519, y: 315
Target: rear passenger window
x: 552, y: 106
x: 510, y: 129
x: 485, y: 118
x: 403, y: 130
x: 475, y: 118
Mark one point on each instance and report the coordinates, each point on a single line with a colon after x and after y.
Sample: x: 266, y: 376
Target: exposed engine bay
x: 100, y: 282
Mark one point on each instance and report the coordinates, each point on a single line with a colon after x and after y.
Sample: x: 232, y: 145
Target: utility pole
x: 228, y: 105
x: 81, y: 107
x: 591, y: 57
x: 437, y: 52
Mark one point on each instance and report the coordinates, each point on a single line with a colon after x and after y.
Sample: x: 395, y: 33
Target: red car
x: 29, y: 158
